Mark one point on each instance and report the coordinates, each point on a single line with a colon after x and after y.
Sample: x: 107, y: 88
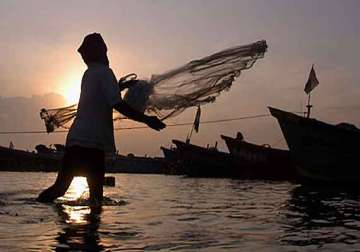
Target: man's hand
x: 154, y: 123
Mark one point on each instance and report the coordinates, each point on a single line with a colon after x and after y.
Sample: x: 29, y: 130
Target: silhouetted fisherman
x: 92, y: 133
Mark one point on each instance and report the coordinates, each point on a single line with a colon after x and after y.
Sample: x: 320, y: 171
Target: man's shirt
x: 93, y: 125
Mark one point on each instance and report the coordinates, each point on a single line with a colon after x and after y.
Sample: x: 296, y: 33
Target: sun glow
x: 72, y: 95
x: 70, y: 87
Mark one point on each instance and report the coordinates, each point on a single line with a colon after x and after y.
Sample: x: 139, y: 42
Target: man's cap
x: 92, y: 42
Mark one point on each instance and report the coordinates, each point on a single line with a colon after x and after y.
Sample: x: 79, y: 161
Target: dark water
x: 168, y: 213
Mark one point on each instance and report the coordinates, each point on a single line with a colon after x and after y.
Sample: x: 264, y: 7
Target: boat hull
x: 260, y: 161
x: 321, y: 151
x: 169, y: 154
x: 172, y: 161
x: 197, y: 161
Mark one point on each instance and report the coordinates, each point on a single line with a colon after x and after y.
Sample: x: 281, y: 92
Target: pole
x: 308, y: 106
x: 189, y: 136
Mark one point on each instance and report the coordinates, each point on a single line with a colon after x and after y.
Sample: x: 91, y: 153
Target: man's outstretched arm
x: 152, y: 121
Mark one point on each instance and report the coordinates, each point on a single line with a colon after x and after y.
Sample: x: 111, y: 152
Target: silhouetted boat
x: 170, y: 155
x: 135, y: 164
x: 260, y: 161
x: 197, y: 161
x: 173, y: 163
x: 321, y: 151
x: 12, y: 159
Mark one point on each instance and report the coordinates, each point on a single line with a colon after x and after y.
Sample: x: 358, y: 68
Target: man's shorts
x: 81, y: 161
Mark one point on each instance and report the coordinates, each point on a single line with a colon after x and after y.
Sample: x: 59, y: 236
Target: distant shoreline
x: 12, y: 160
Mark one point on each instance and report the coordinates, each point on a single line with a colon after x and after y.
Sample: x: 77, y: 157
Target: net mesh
x: 167, y: 95
x: 59, y: 117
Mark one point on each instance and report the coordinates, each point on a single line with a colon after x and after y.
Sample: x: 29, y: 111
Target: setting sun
x: 72, y: 94
x: 69, y: 86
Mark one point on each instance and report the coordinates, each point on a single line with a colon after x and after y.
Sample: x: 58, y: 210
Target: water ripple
x: 169, y: 213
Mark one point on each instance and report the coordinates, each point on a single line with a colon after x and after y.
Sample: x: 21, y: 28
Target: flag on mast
x: 312, y: 81
x: 197, y: 119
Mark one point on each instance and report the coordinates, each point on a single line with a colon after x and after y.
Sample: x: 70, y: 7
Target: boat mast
x: 308, y: 106
x: 189, y: 135
x: 309, y: 86
x: 195, y: 125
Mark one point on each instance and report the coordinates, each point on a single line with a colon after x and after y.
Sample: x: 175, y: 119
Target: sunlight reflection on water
x: 77, y: 189
x: 76, y: 214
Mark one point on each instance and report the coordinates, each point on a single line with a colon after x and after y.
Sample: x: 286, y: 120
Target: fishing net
x: 167, y: 95
x: 60, y: 117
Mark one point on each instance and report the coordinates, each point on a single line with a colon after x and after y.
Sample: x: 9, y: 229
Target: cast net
x: 168, y: 94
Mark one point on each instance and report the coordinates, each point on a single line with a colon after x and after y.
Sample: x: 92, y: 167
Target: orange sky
x: 39, y: 39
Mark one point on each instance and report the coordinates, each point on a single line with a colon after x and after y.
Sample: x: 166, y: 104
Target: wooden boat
x: 321, y: 151
x: 170, y: 155
x: 245, y: 160
x: 260, y: 161
x: 135, y: 164
x: 198, y: 161
x: 173, y: 163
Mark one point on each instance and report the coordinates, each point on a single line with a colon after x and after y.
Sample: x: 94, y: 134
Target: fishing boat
x: 169, y: 154
x: 259, y: 161
x: 130, y: 163
x: 172, y: 161
x: 245, y: 160
x: 321, y: 151
x: 197, y: 161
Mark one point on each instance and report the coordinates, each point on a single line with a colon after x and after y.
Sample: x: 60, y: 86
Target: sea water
x: 174, y: 213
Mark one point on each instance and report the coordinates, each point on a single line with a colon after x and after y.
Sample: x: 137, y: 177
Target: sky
x: 40, y: 67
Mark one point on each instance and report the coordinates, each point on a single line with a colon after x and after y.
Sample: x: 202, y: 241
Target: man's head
x: 93, y: 49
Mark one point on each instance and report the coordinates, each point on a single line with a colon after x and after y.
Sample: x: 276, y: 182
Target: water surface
x: 170, y: 213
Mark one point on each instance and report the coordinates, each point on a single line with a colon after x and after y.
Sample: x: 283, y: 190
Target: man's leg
x: 96, y: 188
x: 58, y: 189
x: 95, y: 176
x: 62, y: 183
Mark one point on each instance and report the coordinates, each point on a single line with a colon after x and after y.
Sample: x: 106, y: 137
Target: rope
x: 141, y: 127
x: 146, y: 127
